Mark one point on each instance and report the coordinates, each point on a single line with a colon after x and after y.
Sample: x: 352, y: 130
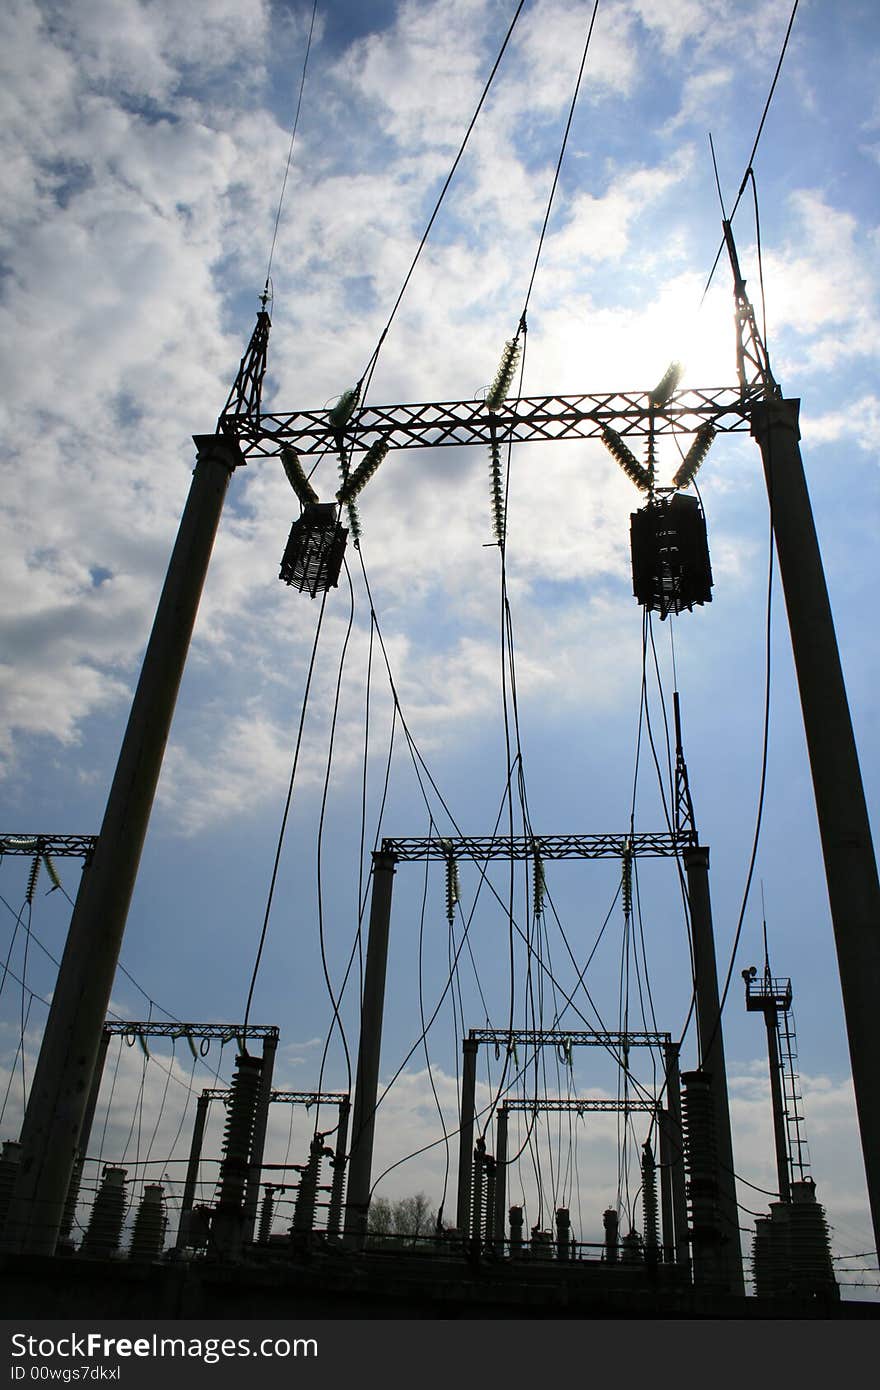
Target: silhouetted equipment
x: 791, y: 1249
x: 148, y: 1237
x: 563, y: 1233
x: 9, y: 1160
x: 313, y: 555
x: 649, y: 1204
x: 670, y: 555
x: 698, y: 1118
x: 772, y: 997
x: 515, y: 1217
x: 105, y: 1224
x: 227, y: 1228
x: 482, y: 1225
x: 609, y: 1221
x: 267, y: 1212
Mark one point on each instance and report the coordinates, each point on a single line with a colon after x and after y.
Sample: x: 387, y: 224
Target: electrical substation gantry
x: 244, y: 432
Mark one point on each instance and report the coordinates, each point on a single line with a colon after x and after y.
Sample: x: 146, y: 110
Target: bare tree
x: 401, y: 1222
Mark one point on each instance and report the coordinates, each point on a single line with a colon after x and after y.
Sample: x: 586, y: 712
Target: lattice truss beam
x: 306, y: 1098
x: 659, y: 845
x: 226, y: 1032
x: 56, y: 846
x: 577, y: 1037
x: 446, y: 424
x: 580, y: 1105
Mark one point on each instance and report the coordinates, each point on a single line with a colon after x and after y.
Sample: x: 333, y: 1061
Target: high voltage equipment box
x: 313, y: 556
x: 670, y: 555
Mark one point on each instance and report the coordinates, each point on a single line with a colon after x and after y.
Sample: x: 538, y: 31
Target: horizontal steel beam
x: 443, y: 424
x: 579, y: 1105
x: 577, y: 1037
x: 482, y: 847
x: 57, y: 846
x: 226, y: 1032
x: 339, y: 1098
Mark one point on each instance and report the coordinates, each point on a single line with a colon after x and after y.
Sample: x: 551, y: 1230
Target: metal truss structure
x: 529, y: 419
x: 286, y: 1097
x: 577, y: 1037
x: 659, y: 845
x: 56, y: 846
x: 579, y: 1105
x: 226, y: 1032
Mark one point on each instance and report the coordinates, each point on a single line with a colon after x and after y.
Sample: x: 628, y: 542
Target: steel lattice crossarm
x: 577, y: 1037
x: 660, y: 845
x: 306, y: 1098
x: 579, y: 1104
x: 226, y: 1032
x: 443, y: 424
x: 285, y: 1097
x: 56, y: 846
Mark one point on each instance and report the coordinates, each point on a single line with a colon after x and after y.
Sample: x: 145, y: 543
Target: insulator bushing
x: 762, y: 1258
x: 304, y: 1207
x: 104, y: 1230
x: 148, y: 1237
x: 649, y: 1204
x: 701, y: 1159
x: 239, y: 1131
x: 701, y: 1156
x: 515, y: 1220
x: 610, y: 1223
x: 812, y: 1270
x: 563, y: 1233
x: 267, y: 1212
x: 337, y: 1193
x: 9, y: 1161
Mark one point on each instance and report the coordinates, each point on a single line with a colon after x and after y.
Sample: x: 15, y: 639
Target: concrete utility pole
x: 369, y: 1048
x: 62, y: 1080
x: 847, y: 846
x: 696, y: 864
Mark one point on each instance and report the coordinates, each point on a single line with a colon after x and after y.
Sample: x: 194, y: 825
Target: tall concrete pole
x: 258, y: 1143
x: 62, y: 1079
x: 469, y: 1048
x: 369, y: 1047
x: 696, y: 864
x: 192, y: 1170
x: 847, y: 847
x: 676, y: 1145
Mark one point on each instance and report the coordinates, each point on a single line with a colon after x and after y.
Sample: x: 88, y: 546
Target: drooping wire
x: 751, y: 157
x: 290, y: 150
x: 762, y: 787
x: 574, y: 99
x: 284, y: 817
x: 335, y: 1002
x: 366, y: 376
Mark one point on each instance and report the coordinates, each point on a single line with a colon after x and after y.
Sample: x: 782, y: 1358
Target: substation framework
x: 669, y: 1126
x: 306, y: 1098
x: 681, y: 845
x: 54, y: 1118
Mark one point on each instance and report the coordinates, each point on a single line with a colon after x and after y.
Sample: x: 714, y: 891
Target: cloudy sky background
x: 143, y: 147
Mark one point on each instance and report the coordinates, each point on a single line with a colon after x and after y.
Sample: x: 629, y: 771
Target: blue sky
x: 143, y: 151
